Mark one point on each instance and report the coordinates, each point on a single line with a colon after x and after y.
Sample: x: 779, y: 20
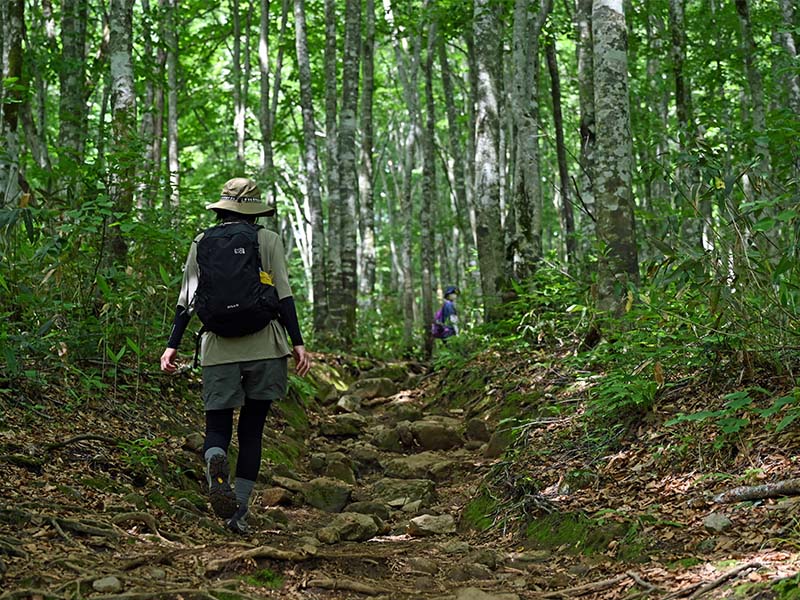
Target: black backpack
x: 235, y: 296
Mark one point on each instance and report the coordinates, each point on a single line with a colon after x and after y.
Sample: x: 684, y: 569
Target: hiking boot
x: 220, y: 494
x: 237, y: 523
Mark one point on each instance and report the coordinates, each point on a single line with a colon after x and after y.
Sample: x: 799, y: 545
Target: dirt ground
x: 104, y: 499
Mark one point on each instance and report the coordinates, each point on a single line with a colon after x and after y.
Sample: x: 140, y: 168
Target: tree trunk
x: 173, y: 161
x: 334, y: 254
x: 408, y: 76
x: 487, y: 176
x: 146, y: 188
x: 265, y: 116
x: 567, y: 218
x: 238, y: 99
x: 72, y: 109
x: 429, y: 194
x: 311, y: 162
x: 123, y: 102
x: 269, y: 106
x: 365, y: 171
x: 755, y: 83
x: 455, y: 135
x: 585, y: 183
x: 13, y: 27
x: 347, y: 169
x: 618, y: 264
x: 527, y: 195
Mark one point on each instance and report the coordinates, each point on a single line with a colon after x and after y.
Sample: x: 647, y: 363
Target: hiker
x: 244, y: 355
x: 445, y: 323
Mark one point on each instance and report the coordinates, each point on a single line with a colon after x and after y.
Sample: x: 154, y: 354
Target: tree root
x: 787, y: 487
x: 30, y: 593
x: 260, y: 552
x: 81, y: 438
x: 587, y: 588
x: 698, y: 589
x: 349, y: 585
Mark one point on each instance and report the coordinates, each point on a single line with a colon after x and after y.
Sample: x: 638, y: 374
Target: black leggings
x: 219, y: 431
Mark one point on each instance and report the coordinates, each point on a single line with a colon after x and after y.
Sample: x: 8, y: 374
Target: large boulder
x: 349, y: 527
x: 330, y: 495
x: 379, y: 387
x: 425, y: 465
x: 434, y: 435
x: 399, y: 492
x: 346, y: 425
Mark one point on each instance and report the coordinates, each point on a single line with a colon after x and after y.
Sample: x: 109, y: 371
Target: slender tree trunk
x: 334, y: 254
x: 265, y: 116
x: 528, y: 202
x: 347, y: 168
x: 487, y: 176
x: 123, y: 101
x: 618, y: 264
x: 72, y: 110
x: 238, y: 96
x: 269, y: 106
x: 311, y: 163
x: 429, y: 194
x: 146, y: 178
x: 755, y: 83
x: 408, y: 72
x: 567, y: 218
x: 585, y: 183
x: 789, y: 46
x: 173, y: 161
x: 14, y: 23
x: 365, y: 171
x: 455, y: 135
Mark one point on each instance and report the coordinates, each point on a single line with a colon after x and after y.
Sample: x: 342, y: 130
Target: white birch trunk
x: 173, y: 160
x: 618, y: 264
x: 365, y: 172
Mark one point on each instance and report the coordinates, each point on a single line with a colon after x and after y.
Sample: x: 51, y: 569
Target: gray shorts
x: 226, y: 386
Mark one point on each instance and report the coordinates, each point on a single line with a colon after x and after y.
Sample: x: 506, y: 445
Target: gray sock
x: 243, y: 488
x: 211, y: 453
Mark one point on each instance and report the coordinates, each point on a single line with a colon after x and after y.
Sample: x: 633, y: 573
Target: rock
x: 406, y: 434
x: 484, y: 556
x: 366, y: 460
x: 403, y: 411
x: 349, y: 404
x: 378, y: 387
x: 425, y: 465
x: 328, y: 535
x: 349, y: 527
x: 107, y: 585
x: 393, y: 491
x: 473, y: 445
x: 157, y: 574
x: 412, y: 507
x: 375, y: 509
x: 478, y: 594
x: 349, y: 424
x: 424, y: 583
x: 393, y: 371
x: 340, y: 470
x: 456, y: 547
x: 498, y: 443
x: 422, y: 565
x: 290, y: 484
x: 522, y: 560
x: 477, y: 430
x: 426, y: 525
x: 330, y: 495
x: 717, y: 522
x: 317, y: 462
x: 467, y: 571
x: 276, y: 497
x: 326, y: 393
x: 386, y: 438
x: 194, y: 442
x: 431, y: 435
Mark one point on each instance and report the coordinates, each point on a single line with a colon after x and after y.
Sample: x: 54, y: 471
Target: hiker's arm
x: 288, y: 318
x: 179, y: 325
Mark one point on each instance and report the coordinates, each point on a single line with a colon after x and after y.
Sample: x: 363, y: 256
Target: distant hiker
x: 445, y: 322
x: 236, y: 280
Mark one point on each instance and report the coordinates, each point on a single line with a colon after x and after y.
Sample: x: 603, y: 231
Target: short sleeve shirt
x: 270, y: 342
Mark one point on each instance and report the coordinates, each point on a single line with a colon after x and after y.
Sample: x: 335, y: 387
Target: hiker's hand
x: 302, y: 360
x: 168, y: 364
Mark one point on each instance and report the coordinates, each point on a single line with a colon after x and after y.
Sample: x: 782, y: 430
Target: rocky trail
x: 381, y: 503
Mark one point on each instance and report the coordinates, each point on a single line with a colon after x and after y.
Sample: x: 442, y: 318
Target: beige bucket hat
x: 241, y: 195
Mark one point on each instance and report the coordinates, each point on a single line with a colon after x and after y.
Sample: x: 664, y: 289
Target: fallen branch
x: 29, y: 593
x: 349, y: 586
x: 587, y: 588
x: 698, y: 589
x: 259, y: 552
x: 81, y: 438
x: 787, y: 487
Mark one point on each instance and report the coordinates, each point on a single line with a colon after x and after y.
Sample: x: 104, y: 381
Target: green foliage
x: 140, y: 452
x: 265, y: 578
x: 478, y: 513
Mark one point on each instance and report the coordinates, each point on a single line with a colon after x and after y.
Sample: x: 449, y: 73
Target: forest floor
x: 400, y: 489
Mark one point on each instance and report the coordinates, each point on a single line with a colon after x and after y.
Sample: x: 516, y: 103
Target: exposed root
x: 254, y: 553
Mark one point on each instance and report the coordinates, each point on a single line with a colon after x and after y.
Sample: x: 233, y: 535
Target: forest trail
x: 380, y: 506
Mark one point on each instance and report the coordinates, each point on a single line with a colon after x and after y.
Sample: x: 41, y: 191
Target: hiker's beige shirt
x: 270, y: 342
